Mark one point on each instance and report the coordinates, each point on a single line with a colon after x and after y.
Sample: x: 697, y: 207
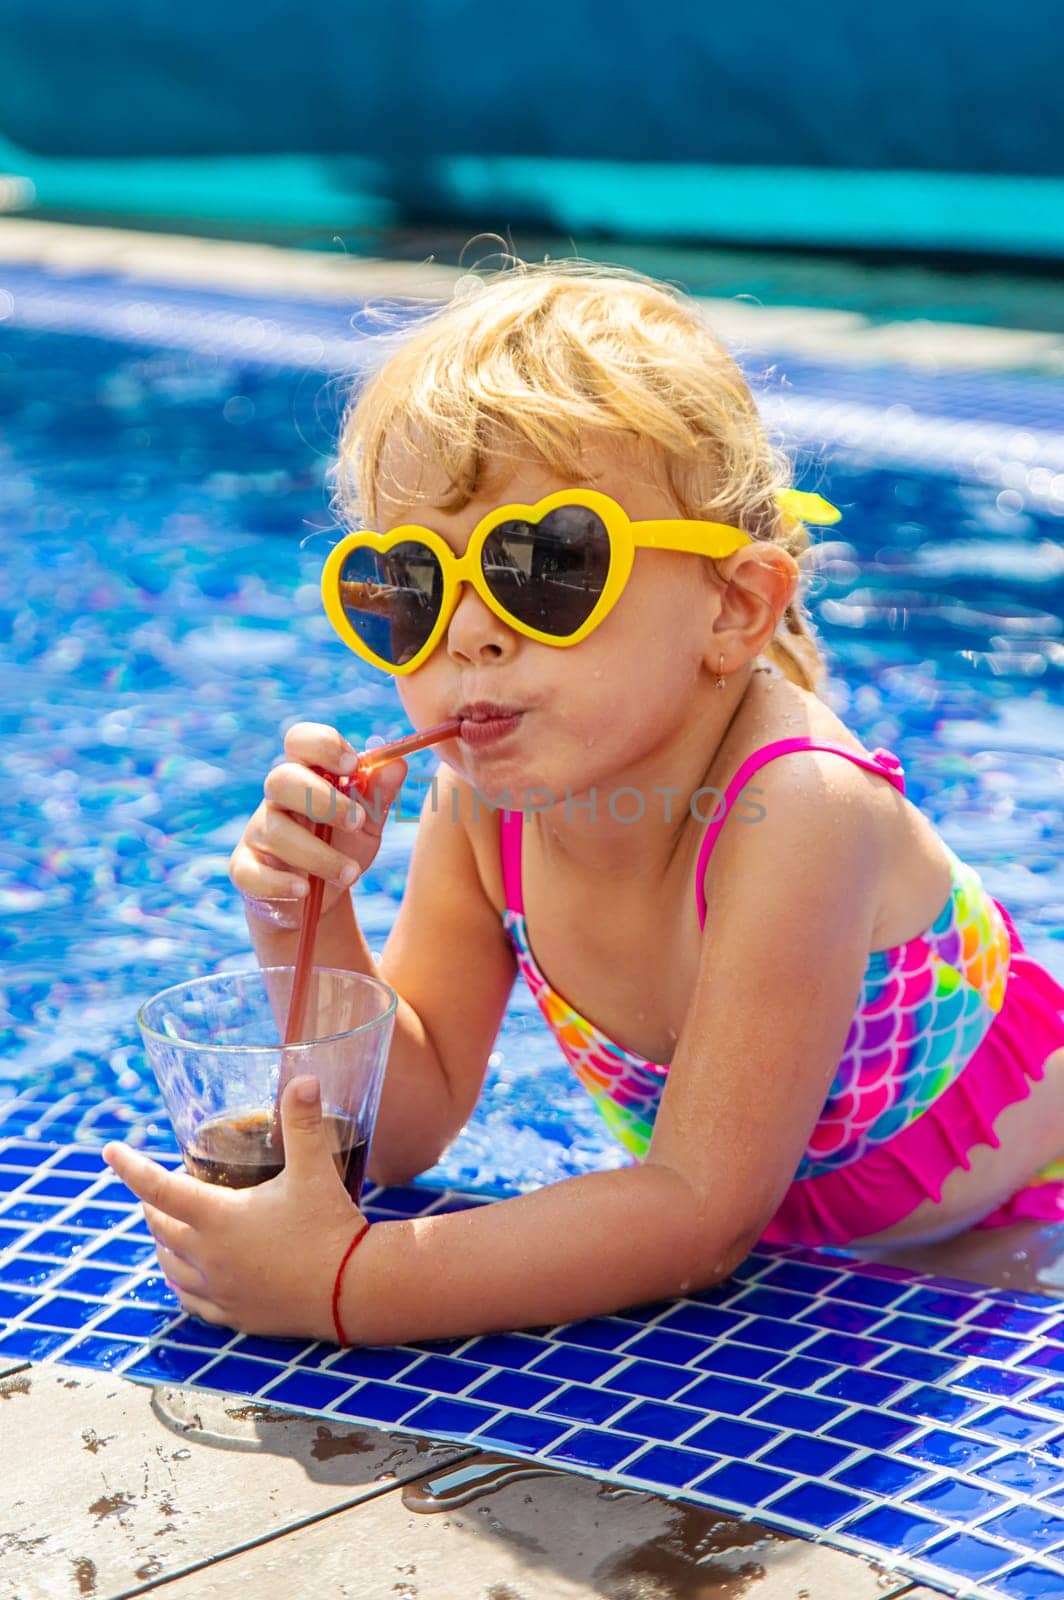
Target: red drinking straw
x: 368, y: 762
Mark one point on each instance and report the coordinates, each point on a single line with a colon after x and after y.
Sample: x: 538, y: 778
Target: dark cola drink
x: 240, y: 1151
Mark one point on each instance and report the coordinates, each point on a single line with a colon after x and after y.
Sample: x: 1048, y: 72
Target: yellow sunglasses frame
x: 715, y: 539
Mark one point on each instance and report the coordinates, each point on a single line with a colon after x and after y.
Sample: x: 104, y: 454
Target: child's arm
x: 774, y: 997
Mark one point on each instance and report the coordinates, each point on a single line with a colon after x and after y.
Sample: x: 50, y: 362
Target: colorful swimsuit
x: 950, y: 1028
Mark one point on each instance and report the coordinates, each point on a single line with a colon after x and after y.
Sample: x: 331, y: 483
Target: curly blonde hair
x: 537, y: 355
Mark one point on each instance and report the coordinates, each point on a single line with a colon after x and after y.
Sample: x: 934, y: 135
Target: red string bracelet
x: 348, y: 1253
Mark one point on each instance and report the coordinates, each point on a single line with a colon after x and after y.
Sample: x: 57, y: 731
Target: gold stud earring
x: 720, y: 674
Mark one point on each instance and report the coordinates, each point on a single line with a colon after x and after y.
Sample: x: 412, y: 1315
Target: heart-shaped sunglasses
x: 552, y: 571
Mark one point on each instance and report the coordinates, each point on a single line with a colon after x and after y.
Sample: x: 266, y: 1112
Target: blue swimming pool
x: 164, y: 513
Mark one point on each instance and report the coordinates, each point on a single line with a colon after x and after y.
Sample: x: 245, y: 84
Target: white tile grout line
x: 227, y: 265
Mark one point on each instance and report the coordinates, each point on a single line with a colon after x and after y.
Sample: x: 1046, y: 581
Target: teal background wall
x: 676, y: 118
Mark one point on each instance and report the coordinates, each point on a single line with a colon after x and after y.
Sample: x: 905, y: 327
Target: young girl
x: 800, y: 1012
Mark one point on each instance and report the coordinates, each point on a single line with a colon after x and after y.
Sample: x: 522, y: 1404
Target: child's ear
x: 760, y: 582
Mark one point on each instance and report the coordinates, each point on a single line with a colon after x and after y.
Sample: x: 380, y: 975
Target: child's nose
x: 476, y: 634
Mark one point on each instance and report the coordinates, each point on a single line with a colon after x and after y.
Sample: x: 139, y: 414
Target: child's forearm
x: 574, y: 1249
x: 415, y: 1120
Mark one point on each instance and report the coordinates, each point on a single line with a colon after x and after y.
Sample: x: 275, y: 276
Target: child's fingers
x: 263, y: 876
x: 198, y: 1306
x: 176, y: 1193
x: 176, y: 1237
x: 285, y: 839
x: 311, y: 798
x: 315, y: 744
x: 182, y: 1278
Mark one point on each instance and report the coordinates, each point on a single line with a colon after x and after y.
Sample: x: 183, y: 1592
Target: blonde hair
x: 539, y: 354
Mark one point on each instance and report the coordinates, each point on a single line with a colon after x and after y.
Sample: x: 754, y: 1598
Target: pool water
x: 164, y: 515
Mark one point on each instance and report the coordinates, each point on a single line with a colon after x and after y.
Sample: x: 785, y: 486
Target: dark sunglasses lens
x: 392, y: 599
x: 549, y: 574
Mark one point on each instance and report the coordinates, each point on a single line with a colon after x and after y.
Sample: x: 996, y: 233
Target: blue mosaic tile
x: 509, y: 1389
x: 668, y: 1468
x: 282, y: 1350
x: 738, y: 1361
x: 62, y: 1311
x: 938, y: 1303
x: 362, y: 1361
x: 967, y: 1557
x: 29, y: 1272
x: 132, y: 1323
x: 239, y: 1375
x: 827, y: 1398
x: 801, y: 1373
x: 870, y: 1291
x: 519, y: 1432
x: 1025, y: 1473
x: 31, y: 1344
x: 943, y: 1449
x: 447, y: 1416
x: 1031, y: 1581
x: 894, y: 1529
x: 595, y: 1448
x: 936, y: 1404
x: 167, y: 1364
x: 729, y: 1396
x: 504, y: 1350
x: 814, y: 1458
x: 873, y: 1429
x: 313, y: 1391
x: 581, y: 1366
x: 882, y: 1475
x: 817, y: 1503
x: 1010, y: 1319
x: 1028, y: 1525
x: 580, y: 1403
x: 996, y: 1381
x: 739, y: 1484
x: 600, y: 1333
x: 657, y: 1345
x: 739, y: 1440
x: 955, y: 1500
x: 800, y: 1414
x: 104, y: 1354
x: 807, y: 1280
x: 652, y: 1419
x: 382, y: 1402
x: 444, y: 1374
x: 862, y: 1388
x: 653, y: 1379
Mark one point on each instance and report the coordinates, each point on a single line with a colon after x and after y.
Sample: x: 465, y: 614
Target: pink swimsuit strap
x: 883, y: 762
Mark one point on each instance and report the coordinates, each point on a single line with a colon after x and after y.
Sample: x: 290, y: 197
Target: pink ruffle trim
x: 892, y: 1179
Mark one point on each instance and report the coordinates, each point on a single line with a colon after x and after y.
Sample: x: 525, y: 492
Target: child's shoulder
x: 819, y: 792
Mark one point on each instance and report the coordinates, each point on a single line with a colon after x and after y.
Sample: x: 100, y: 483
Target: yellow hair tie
x: 803, y: 507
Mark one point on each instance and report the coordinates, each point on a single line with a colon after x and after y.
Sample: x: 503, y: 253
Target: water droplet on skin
x: 181, y: 1455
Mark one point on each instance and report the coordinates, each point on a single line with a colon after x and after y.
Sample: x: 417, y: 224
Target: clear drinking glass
x: 214, y: 1046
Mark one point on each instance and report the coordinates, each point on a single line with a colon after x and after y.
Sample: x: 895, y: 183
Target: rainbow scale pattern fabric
x: 923, y: 1009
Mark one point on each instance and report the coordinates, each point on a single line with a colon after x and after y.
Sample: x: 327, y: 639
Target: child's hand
x: 278, y: 849
x: 262, y: 1260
